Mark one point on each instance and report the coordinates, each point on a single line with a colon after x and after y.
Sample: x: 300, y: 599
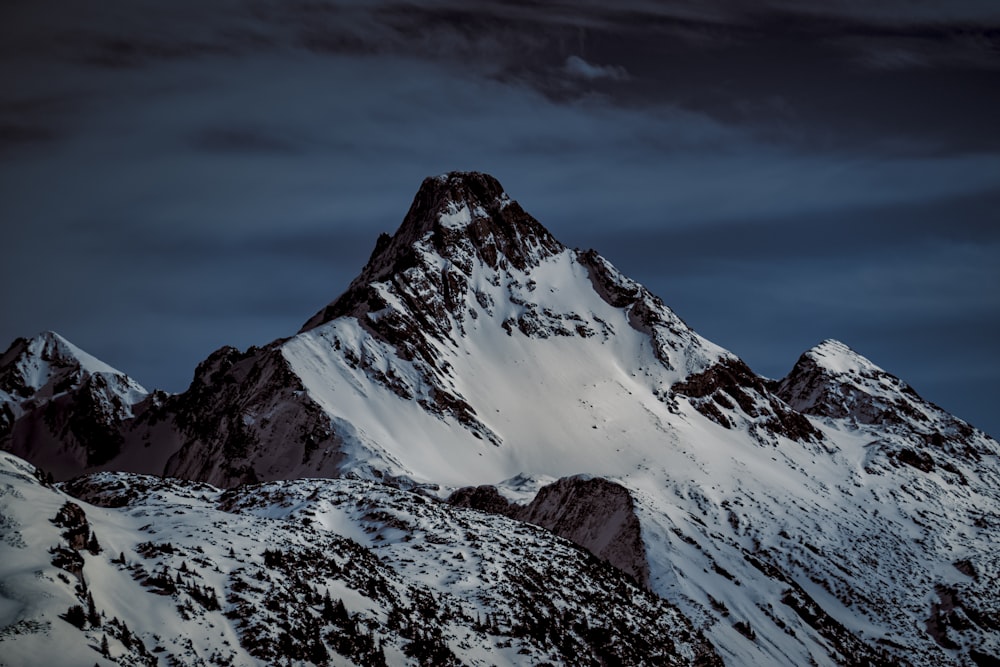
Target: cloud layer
x: 178, y: 177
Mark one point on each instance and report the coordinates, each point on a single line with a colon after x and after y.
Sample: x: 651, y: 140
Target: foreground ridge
x: 312, y: 571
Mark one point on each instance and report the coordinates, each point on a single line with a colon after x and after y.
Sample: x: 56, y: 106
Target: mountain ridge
x: 474, y: 351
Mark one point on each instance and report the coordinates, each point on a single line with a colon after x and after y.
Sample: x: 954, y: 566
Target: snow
x: 838, y: 358
x: 467, y: 564
x: 559, y: 405
x: 553, y: 380
x: 457, y: 217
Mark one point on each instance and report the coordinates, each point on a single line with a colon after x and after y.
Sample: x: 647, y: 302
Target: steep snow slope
x: 877, y: 545
x: 316, y: 571
x: 471, y: 347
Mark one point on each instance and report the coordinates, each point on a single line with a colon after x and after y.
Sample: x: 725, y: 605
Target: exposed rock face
x: 730, y: 383
x: 237, y: 407
x: 72, y: 517
x: 595, y: 513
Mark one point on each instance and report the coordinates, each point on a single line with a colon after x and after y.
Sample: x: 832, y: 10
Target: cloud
x: 893, y: 12
x: 940, y: 47
x: 580, y: 68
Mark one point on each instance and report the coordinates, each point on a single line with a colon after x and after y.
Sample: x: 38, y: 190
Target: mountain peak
x: 454, y: 198
x: 30, y: 364
x: 464, y: 215
x: 452, y: 201
x: 837, y: 358
x: 463, y: 218
x: 832, y: 380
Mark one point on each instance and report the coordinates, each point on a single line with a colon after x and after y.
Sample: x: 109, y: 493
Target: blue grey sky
x: 176, y: 176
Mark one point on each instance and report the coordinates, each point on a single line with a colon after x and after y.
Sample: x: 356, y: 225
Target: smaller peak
x: 833, y: 345
x: 44, y: 341
x: 47, y: 355
x: 837, y: 357
x: 51, y: 345
x: 45, y: 345
x: 51, y: 336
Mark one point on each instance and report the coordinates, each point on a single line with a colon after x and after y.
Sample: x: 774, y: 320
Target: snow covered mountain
x: 60, y: 405
x: 830, y: 517
x: 473, y: 346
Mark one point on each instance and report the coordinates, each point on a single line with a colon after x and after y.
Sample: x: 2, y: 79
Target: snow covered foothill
x: 337, y: 572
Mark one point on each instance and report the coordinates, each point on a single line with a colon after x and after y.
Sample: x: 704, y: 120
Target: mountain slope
x: 316, y: 571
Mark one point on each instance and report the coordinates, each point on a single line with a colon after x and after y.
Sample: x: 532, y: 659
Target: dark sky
x: 176, y: 176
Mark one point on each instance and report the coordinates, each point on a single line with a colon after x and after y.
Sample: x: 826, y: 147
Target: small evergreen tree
x: 92, y: 544
x: 340, y: 615
x: 76, y: 616
x: 317, y: 650
x: 327, y: 613
x: 378, y: 657
x: 92, y: 616
x: 105, y: 650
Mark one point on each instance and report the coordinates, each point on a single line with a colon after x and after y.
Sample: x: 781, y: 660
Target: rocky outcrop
x: 595, y: 513
x: 729, y: 388
x: 239, y: 405
x: 484, y: 498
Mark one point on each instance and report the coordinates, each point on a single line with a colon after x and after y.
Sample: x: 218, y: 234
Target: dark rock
x: 595, y: 513
x: 484, y: 498
x: 731, y: 381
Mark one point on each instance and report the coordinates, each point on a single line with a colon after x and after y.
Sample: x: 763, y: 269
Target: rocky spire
x: 462, y: 217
